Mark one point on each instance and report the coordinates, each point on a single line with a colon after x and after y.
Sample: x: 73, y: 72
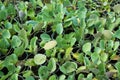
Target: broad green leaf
x: 80, y: 76
x: 33, y: 45
x: 87, y: 61
x: 1, y: 74
x: 97, y: 50
x: 73, y: 40
x: 39, y: 2
x: 23, y: 37
x: 14, y: 77
x: 95, y: 58
x: 39, y: 59
x: 67, y: 53
x: 107, y: 34
x: 12, y: 59
x: 116, y: 8
x: 75, y: 21
x: 16, y: 28
x: 117, y: 66
x: 27, y: 73
x: 50, y: 45
x: 80, y: 69
x: 8, y: 25
x: 116, y: 45
x: 117, y: 34
x: 45, y: 37
x: 11, y: 9
x: 43, y: 72
x: 6, y: 33
x: 104, y: 57
x: 30, y: 78
x: 15, y: 41
x: 59, y: 28
x: 86, y: 47
x: 19, y: 50
x: 89, y: 76
x: 30, y: 62
x: 79, y: 57
x: 3, y: 14
x: 4, y: 44
x: 53, y: 77
x: 68, y: 67
x: 102, y: 44
x: 71, y: 77
x: 93, y: 19
x: 39, y: 26
x: 101, y: 68
x: 62, y: 77
x: 52, y: 65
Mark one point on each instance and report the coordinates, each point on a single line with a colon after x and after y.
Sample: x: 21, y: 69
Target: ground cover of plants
x: 60, y: 40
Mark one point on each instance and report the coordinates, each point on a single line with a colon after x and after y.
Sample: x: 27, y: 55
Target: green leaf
x: 104, y: 57
x: 67, y: 53
x: 102, y: 44
x: 27, y: 73
x: 68, y: 67
x: 75, y: 21
x: 6, y: 33
x: 1, y: 74
x: 80, y: 69
x: 4, y: 44
x: 95, y: 58
x: 87, y: 61
x: 14, y: 76
x: 39, y: 26
x: 80, y: 76
x: 59, y: 28
x: 3, y: 14
x: 53, y: 77
x: 12, y: 59
x: 52, y: 65
x: 116, y: 45
x: 73, y: 40
x: 15, y: 41
x: 117, y: 66
x: 102, y: 68
x: 30, y: 78
x: 30, y: 62
x: 39, y: 59
x: 117, y: 34
x: 43, y: 72
x: 19, y: 50
x: 107, y: 34
x: 89, y: 76
x: 71, y: 77
x: 45, y: 37
x: 116, y: 8
x: 23, y: 37
x: 11, y: 9
x: 86, y: 47
x: 62, y: 77
x: 50, y: 45
x: 8, y: 25
x: 16, y: 28
x: 33, y: 46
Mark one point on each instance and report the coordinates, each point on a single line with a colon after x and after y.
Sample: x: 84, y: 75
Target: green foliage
x: 59, y: 40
